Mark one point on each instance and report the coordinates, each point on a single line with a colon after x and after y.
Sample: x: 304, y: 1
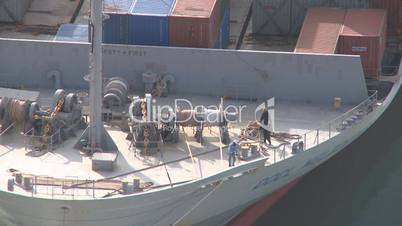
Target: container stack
x: 279, y: 17
x: 223, y: 39
x: 149, y: 24
x: 320, y: 31
x: 364, y: 33
x: 116, y: 26
x: 352, y: 32
x: 195, y: 23
x: 393, y: 8
x: 183, y: 23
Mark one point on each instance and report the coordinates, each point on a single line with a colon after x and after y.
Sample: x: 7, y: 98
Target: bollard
x: 136, y: 184
x: 10, y: 184
x: 27, y: 183
x: 125, y: 188
x: 18, y: 178
x: 337, y: 103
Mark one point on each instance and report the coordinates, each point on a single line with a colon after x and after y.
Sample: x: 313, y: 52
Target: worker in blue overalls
x: 232, y: 152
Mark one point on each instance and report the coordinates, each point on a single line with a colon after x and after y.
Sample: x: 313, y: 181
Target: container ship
x: 139, y: 135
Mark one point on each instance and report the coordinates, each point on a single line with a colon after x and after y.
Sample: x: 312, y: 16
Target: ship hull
x: 249, y: 216
x: 213, y: 200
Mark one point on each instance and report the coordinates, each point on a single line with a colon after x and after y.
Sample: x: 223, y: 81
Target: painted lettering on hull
x: 271, y: 179
x: 311, y: 163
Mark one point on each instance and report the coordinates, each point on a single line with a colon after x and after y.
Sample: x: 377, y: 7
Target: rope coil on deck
x: 17, y: 110
x: 253, y: 131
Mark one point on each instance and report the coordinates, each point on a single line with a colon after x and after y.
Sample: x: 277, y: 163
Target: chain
x: 146, y: 129
x: 58, y: 107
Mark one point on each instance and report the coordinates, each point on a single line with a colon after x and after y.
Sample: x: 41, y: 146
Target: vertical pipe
x: 95, y: 89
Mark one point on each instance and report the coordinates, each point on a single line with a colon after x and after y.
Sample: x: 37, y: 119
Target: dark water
x: 361, y: 186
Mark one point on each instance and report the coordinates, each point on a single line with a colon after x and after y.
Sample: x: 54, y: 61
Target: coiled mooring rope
x: 253, y: 131
x: 17, y: 110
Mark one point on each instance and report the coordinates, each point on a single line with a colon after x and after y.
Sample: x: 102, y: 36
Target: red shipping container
x: 393, y: 8
x: 320, y: 31
x: 364, y: 34
x: 194, y: 23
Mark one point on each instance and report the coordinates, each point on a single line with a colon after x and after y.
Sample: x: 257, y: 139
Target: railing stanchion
x: 284, y: 151
x: 329, y: 130
x: 36, y: 185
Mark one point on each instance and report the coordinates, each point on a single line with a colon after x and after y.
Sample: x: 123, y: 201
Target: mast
x: 95, y: 83
x: 95, y: 138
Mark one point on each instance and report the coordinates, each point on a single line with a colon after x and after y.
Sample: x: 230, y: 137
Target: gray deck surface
x: 67, y: 163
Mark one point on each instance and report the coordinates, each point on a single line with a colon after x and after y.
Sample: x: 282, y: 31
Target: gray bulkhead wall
x: 241, y: 74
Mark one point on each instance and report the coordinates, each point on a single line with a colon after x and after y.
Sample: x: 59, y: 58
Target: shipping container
x: 320, y: 31
x: 218, y: 42
x: 222, y: 41
x: 224, y: 8
x: 149, y: 24
x: 364, y: 34
x: 72, y: 33
x: 224, y: 33
x: 13, y: 10
x: 285, y: 17
x: 393, y: 8
x: 194, y: 23
x: 116, y: 26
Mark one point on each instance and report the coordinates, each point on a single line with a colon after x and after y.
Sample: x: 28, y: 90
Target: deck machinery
x: 44, y: 127
x: 147, y: 128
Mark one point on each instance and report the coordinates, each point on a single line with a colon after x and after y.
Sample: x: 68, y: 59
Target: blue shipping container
x: 223, y: 39
x: 149, y: 23
x: 217, y: 44
x: 72, y: 33
x: 115, y: 28
x: 225, y: 30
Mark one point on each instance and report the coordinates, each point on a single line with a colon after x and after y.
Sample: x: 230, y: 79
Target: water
x: 361, y: 186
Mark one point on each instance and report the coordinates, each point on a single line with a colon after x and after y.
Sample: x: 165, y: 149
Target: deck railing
x: 334, y: 127
x: 60, y: 188
x: 31, y: 140
x: 342, y: 122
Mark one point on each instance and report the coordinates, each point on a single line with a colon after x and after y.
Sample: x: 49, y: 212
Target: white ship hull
x: 207, y: 201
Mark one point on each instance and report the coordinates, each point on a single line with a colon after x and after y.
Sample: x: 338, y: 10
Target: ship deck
x: 69, y: 165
